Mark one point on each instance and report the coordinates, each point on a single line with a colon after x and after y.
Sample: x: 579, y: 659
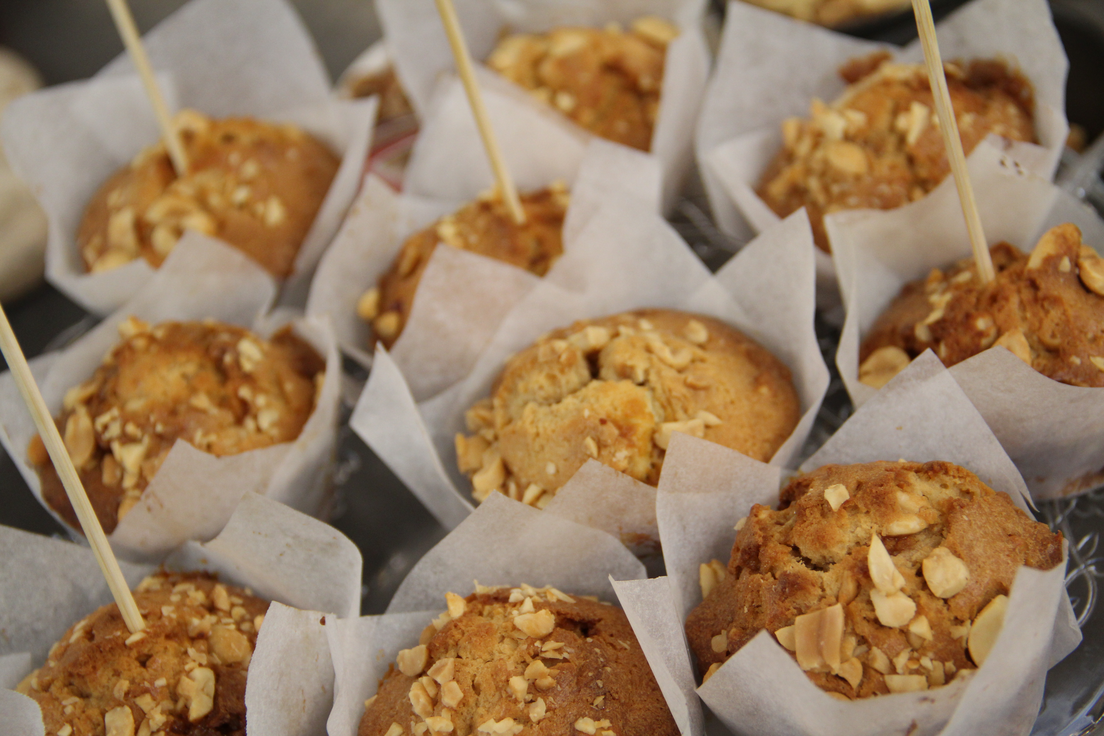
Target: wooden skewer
x: 21, y: 372
x: 475, y: 98
x: 124, y: 22
x: 948, y: 125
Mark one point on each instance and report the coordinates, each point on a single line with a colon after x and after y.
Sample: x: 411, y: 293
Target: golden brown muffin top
x: 614, y: 389
x: 216, y: 386
x: 1046, y: 308
x: 606, y: 80
x: 484, y: 226
x: 185, y: 674
x: 879, y: 146
x: 831, y: 12
x: 879, y: 577
x: 521, y: 660
x: 255, y: 185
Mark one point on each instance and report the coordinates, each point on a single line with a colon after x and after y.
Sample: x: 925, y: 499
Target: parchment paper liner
x: 765, y: 291
x: 529, y: 547
x: 448, y: 150
x: 770, y: 67
x: 921, y: 415
x: 443, y: 336
x: 1053, y: 432
x: 285, y: 556
x: 194, y: 493
x: 221, y: 57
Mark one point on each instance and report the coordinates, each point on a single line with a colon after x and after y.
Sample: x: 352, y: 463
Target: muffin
x: 1045, y: 308
x: 879, y: 146
x: 614, y: 389
x: 184, y: 674
x: 521, y: 661
x: 484, y: 226
x: 608, y: 81
x: 216, y: 386
x: 882, y: 577
x: 832, y: 12
x: 255, y: 185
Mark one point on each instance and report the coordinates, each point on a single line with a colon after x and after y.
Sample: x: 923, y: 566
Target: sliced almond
x: 945, y: 574
x: 986, y: 628
x: 893, y: 610
x: 882, y: 365
x: 887, y: 578
x: 906, y: 683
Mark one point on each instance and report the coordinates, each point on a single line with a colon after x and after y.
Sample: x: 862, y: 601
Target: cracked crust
x: 484, y: 226
x: 254, y: 185
x: 1040, y: 307
x: 584, y: 666
x: 807, y: 557
x: 606, y: 80
x: 879, y: 145
x: 216, y: 386
x: 191, y: 619
x: 614, y: 389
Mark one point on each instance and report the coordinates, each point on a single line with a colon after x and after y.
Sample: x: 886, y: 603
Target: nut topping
x: 882, y: 365
x: 986, y: 628
x: 412, y: 661
x: 835, y: 495
x: 893, y: 610
x: 945, y: 574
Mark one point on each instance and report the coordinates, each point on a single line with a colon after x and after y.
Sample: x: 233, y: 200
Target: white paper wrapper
x: 449, y: 153
x: 529, y: 547
x: 922, y: 415
x: 1053, y: 432
x: 759, y: 81
x: 636, y: 262
x: 262, y: 537
x: 444, y: 335
x: 221, y: 57
x: 194, y: 493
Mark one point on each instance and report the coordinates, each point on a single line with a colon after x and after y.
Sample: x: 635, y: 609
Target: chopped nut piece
x: 451, y: 694
x: 119, y: 722
x: 198, y: 689
x: 420, y: 700
x: 906, y: 683
x: 443, y: 670
x: 395, y: 730
x: 230, y: 645
x: 456, y: 605
x: 536, y: 625
x: 852, y: 671
x: 412, y: 661
x: 986, y: 628
x: 367, y: 306
x: 904, y: 525
x: 1017, y: 344
x: 945, y: 574
x: 1090, y: 269
x: 921, y: 627
x: 720, y: 642
x: 882, y: 365
x: 893, y: 610
x: 879, y: 661
x: 835, y: 495
x: 709, y: 575
x: 887, y: 578
x: 786, y: 637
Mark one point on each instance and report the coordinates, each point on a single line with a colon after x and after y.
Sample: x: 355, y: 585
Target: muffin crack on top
x: 521, y: 660
x: 880, y: 578
x: 614, y: 389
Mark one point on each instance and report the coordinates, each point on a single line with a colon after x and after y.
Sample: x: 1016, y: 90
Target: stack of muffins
x: 612, y: 392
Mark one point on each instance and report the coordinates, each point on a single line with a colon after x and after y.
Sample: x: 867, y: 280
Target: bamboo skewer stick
x: 948, y: 126
x: 21, y: 372
x: 475, y: 98
x: 124, y: 22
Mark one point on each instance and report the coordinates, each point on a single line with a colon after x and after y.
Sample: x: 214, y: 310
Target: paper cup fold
x: 449, y: 138
x: 47, y: 585
x: 221, y: 57
x: 634, y: 260
x: 194, y: 493
x: 529, y: 547
x: 1053, y: 432
x: 921, y: 415
x: 770, y: 67
x: 462, y: 296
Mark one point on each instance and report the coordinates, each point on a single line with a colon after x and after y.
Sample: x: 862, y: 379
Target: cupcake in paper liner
x: 275, y: 159
x: 215, y: 649
x: 921, y: 416
x: 563, y: 76
x: 387, y: 249
x: 552, y: 562
x: 761, y: 95
x: 635, y: 263
x: 190, y: 357
x: 1036, y: 382
x: 396, y: 128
